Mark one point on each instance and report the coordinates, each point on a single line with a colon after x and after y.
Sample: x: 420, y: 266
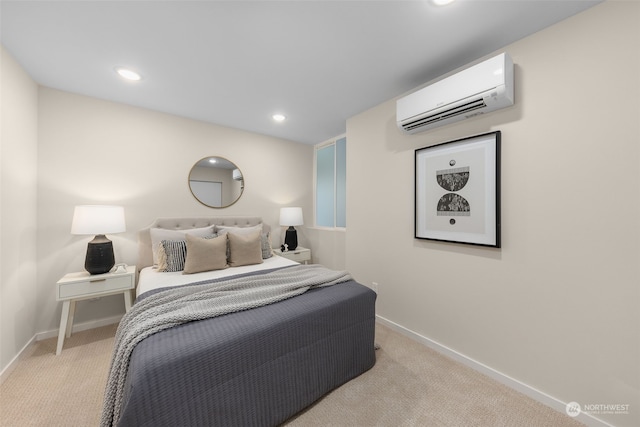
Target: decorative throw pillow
x: 162, y: 258
x: 205, y: 254
x: 175, y: 254
x: 245, y: 249
x: 224, y: 229
x: 160, y: 234
x: 267, y: 250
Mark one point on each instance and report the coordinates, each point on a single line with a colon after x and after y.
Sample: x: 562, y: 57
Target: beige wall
x: 93, y: 151
x: 18, y: 156
x: 557, y: 306
x: 328, y: 247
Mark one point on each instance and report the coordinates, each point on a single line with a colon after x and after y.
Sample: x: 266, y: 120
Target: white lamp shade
x: 291, y: 216
x: 98, y: 219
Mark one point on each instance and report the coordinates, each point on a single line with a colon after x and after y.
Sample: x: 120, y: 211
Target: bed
x: 256, y: 366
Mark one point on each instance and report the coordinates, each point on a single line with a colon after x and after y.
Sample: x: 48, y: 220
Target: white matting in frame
x: 458, y: 191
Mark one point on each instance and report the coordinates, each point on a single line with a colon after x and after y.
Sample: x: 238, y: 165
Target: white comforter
x: 150, y: 278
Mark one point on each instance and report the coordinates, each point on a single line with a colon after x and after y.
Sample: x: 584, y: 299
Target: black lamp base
x: 100, y: 257
x: 291, y: 238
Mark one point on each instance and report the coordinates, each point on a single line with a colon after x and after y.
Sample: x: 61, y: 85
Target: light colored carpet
x: 410, y: 385
x: 65, y: 390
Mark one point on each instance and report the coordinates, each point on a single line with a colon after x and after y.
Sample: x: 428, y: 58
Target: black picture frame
x: 457, y: 191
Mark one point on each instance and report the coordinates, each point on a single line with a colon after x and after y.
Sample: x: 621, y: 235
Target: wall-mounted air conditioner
x: 484, y: 87
x: 237, y: 175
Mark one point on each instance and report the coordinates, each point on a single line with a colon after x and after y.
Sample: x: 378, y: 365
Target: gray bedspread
x: 175, y: 364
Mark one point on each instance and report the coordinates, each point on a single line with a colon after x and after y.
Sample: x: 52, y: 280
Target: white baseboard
x: 54, y: 333
x: 11, y: 366
x: 521, y: 387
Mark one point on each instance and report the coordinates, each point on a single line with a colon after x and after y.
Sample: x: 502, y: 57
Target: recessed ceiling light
x: 125, y: 73
x: 278, y: 117
x: 442, y: 2
x: 212, y: 160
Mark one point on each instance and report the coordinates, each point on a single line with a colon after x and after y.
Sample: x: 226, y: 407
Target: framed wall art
x: 458, y: 191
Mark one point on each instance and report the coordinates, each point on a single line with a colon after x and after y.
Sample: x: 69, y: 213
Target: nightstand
x: 300, y: 254
x: 75, y: 287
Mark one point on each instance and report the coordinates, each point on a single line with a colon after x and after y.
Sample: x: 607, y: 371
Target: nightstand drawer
x: 95, y: 286
x: 299, y: 256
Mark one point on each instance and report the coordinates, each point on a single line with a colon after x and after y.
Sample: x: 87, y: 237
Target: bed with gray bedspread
x: 256, y: 367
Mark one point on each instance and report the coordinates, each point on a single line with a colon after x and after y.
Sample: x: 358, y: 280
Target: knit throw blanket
x: 204, y: 300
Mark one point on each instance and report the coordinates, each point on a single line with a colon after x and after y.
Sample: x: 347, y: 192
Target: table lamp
x: 290, y: 217
x: 98, y: 220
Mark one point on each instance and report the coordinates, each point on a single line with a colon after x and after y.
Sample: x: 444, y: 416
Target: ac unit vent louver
x: 452, y: 112
x: 482, y: 88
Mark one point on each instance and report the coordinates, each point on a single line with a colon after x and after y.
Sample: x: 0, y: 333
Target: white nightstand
x: 79, y: 286
x: 300, y: 254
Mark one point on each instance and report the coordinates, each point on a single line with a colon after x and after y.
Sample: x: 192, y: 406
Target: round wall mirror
x: 216, y: 182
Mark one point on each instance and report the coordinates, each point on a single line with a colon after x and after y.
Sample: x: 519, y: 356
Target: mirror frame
x: 242, y: 183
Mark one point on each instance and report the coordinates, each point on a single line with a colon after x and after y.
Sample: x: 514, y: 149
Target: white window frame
x: 317, y: 147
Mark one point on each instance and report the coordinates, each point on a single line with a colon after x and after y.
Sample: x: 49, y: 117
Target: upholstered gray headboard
x: 145, y: 254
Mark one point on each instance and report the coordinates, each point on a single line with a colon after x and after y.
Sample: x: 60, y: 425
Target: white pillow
x: 239, y: 231
x: 160, y: 234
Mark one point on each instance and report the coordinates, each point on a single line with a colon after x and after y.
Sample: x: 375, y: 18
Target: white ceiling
x: 235, y: 63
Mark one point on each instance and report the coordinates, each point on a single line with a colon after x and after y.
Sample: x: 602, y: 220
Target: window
x: 331, y: 183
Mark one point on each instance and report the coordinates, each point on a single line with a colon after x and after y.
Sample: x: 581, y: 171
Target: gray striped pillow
x: 265, y: 245
x: 176, y: 253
